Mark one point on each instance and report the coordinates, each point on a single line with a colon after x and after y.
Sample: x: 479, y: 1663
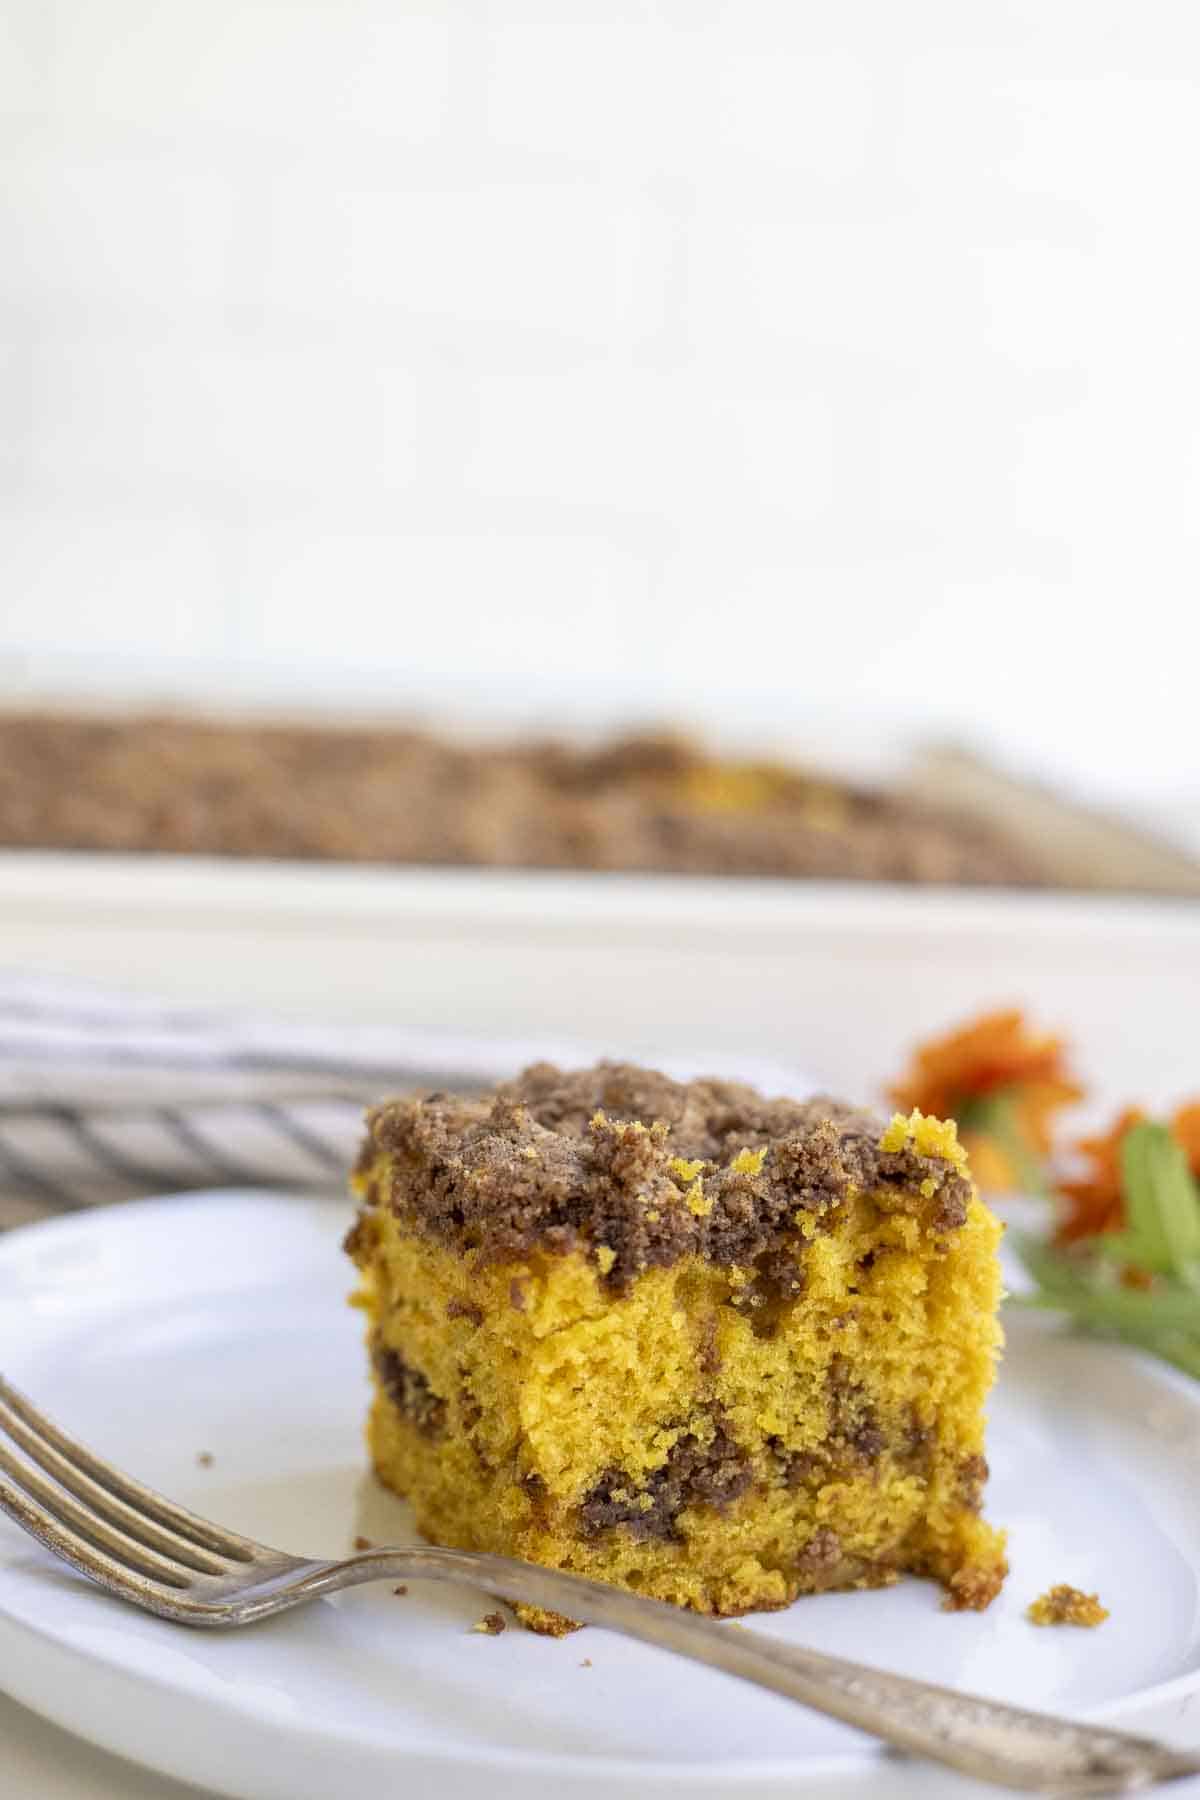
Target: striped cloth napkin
x: 106, y: 1096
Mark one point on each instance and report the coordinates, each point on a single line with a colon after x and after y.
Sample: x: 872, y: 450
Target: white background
x: 761, y: 361
x: 744, y: 358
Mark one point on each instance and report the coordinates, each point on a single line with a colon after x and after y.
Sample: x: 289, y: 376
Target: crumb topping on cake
x: 385, y: 793
x: 646, y: 1170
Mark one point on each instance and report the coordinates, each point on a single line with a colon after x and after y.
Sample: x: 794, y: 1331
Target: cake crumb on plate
x: 1063, y: 1605
x: 491, y: 1624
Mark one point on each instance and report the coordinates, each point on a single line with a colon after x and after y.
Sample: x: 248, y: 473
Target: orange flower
x: 1095, y: 1203
x: 995, y: 1057
x: 1185, y: 1127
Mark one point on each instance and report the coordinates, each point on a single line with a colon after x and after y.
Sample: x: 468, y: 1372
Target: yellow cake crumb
x: 730, y: 787
x: 749, y: 1162
x: 606, y: 1256
x: 697, y: 1201
x: 685, y: 1170
x: 926, y: 1135
x: 1063, y: 1605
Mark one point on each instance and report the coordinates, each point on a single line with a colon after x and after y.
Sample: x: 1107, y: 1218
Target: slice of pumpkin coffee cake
x: 720, y: 1349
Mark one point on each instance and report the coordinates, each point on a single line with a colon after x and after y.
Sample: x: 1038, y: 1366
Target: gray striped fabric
x: 106, y: 1096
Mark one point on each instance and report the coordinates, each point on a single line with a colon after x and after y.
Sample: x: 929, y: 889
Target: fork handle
x: 983, y: 1738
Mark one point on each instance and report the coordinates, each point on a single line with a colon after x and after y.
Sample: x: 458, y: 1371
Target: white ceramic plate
x: 216, y: 1323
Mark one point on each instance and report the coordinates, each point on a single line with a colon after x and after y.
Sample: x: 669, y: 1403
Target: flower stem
x: 994, y: 1116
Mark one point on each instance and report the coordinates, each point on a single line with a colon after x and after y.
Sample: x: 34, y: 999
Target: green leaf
x: 1126, y: 1250
x: 1184, y: 1354
x: 1163, y: 1320
x: 1161, y: 1202
x: 1162, y: 1238
x: 995, y: 1116
x: 1048, y: 1267
x: 1148, y: 1314
x: 1180, y: 1347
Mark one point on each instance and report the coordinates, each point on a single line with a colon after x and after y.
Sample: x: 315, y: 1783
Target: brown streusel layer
x: 642, y: 1170
x: 391, y: 795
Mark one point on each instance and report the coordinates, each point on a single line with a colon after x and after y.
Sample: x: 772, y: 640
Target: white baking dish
x: 834, y: 978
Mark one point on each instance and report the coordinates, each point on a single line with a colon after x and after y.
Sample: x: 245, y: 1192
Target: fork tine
x: 98, y: 1500
x: 69, y: 1528
x: 134, y: 1494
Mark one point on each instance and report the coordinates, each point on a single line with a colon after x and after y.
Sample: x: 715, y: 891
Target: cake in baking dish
x: 378, y: 793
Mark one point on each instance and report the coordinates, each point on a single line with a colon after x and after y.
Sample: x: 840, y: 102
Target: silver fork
x: 168, y: 1561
